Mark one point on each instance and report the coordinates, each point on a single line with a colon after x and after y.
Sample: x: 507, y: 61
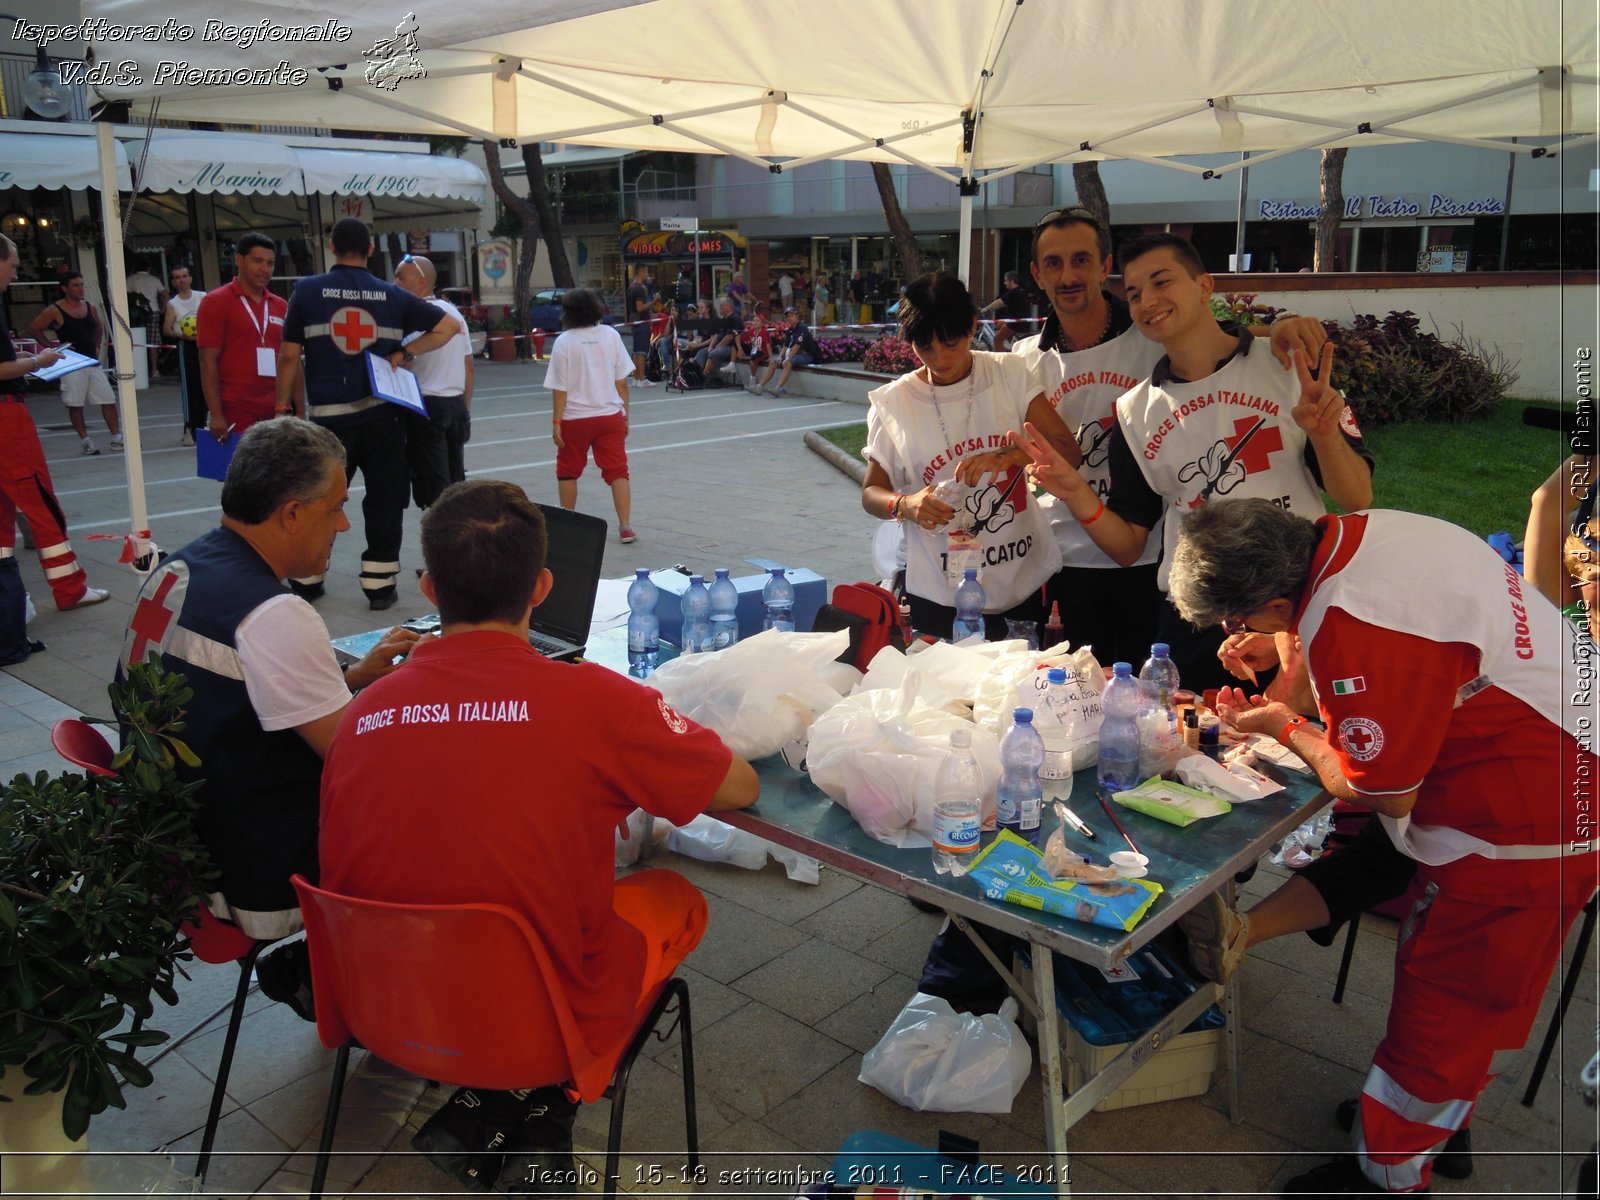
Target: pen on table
x: 1076, y: 822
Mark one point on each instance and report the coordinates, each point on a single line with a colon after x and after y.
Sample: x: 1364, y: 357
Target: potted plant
x: 503, y: 339
x: 477, y: 334
x: 96, y: 877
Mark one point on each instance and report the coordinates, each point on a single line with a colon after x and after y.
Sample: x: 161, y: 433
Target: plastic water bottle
x: 1020, y: 802
x: 1121, y: 705
x: 778, y: 598
x: 1158, y: 680
x: 1159, y: 744
x: 957, y: 807
x: 696, y: 609
x: 969, y: 607
x: 644, y: 631
x: 1053, y: 729
x: 724, y: 611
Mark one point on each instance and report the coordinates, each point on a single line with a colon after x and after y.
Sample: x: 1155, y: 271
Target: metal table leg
x: 1051, y: 1082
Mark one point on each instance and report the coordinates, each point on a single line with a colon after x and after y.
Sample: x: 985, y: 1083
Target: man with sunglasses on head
x: 1092, y: 351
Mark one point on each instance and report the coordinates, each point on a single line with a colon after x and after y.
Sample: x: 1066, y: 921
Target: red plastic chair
x: 466, y: 994
x: 212, y: 939
x: 82, y: 745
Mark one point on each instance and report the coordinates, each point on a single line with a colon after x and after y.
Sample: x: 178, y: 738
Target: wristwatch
x: 406, y: 355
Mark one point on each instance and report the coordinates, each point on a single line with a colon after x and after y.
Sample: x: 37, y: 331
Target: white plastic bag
x: 1072, y: 723
x: 878, y: 754
x: 711, y: 840
x: 761, y: 693
x: 933, y: 1059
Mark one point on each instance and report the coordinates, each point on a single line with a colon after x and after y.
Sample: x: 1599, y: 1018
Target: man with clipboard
x: 338, y: 319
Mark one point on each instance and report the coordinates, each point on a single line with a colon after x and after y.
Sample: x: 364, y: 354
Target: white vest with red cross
x: 1229, y: 435
x: 1083, y: 386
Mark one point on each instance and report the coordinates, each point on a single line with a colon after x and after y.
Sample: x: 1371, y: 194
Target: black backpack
x: 690, y: 376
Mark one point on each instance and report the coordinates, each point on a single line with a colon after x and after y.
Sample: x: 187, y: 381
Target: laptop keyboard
x: 548, y: 646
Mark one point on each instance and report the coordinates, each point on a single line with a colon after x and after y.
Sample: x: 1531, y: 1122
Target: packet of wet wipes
x: 1010, y: 869
x: 1171, y: 802
x: 1234, y: 782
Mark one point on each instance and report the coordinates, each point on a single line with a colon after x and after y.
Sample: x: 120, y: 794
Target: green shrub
x: 1393, y: 371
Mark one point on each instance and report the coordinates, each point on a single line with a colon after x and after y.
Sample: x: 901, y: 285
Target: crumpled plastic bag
x: 878, y: 754
x: 950, y: 674
x: 1011, y: 679
x: 711, y: 840
x: 761, y: 693
x: 634, y: 834
x: 934, y: 1059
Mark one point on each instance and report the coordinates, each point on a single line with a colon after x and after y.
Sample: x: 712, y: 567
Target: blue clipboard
x: 211, y: 457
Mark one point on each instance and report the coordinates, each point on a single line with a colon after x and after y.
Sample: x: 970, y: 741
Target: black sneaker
x: 285, y: 976
x: 1338, y: 1177
x: 1453, y: 1162
x: 307, y: 591
x: 378, y: 601
x: 455, y: 1139
x: 539, y: 1158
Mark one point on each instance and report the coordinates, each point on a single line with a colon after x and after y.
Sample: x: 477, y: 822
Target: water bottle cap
x: 1057, y: 675
x: 1022, y: 716
x: 1160, y: 650
x: 961, y: 739
x: 694, y: 579
x: 970, y: 573
x: 722, y: 572
x: 777, y: 572
x: 641, y: 572
x: 1122, y: 670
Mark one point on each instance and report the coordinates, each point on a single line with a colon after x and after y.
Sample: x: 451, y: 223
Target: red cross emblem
x: 1257, y: 452
x: 353, y: 330
x: 1362, y: 738
x: 151, y: 619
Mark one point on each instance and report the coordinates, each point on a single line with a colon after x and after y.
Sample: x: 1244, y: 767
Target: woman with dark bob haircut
x: 939, y: 460
x: 588, y: 381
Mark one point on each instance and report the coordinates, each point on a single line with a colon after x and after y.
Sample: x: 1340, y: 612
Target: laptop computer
x: 559, y: 628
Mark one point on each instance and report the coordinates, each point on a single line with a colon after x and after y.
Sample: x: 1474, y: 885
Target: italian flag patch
x: 1349, y: 687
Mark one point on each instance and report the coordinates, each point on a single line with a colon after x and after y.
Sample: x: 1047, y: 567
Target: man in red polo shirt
x: 1451, y: 721
x: 239, y: 330
x: 483, y: 772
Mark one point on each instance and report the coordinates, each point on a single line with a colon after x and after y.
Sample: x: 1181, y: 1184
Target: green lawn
x: 1477, y: 474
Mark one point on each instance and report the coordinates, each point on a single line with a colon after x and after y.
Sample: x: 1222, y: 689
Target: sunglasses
x: 1076, y: 213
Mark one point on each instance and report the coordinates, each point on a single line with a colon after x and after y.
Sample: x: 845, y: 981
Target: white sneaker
x: 752, y: 389
x: 642, y: 383
x: 116, y: 441
x: 93, y: 596
x: 89, y: 447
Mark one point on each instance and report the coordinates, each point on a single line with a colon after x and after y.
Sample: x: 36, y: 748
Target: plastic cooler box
x: 1102, y: 1015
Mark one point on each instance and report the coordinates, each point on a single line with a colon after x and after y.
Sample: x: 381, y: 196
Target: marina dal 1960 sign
x: 1380, y: 207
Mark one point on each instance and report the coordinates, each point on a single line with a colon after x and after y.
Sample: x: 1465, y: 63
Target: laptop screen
x: 577, y: 548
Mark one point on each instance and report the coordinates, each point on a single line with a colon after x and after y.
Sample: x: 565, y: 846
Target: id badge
x: 266, y: 362
x: 962, y: 551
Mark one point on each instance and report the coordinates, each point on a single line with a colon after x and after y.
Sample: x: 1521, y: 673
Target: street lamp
x: 43, y: 90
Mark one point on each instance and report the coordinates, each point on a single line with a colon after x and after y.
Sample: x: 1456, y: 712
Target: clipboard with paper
x: 394, y: 384
x: 71, y: 361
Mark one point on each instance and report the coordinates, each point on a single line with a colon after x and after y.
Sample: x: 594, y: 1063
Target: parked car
x: 544, y: 310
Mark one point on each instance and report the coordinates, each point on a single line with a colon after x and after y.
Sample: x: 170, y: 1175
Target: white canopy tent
x: 970, y: 90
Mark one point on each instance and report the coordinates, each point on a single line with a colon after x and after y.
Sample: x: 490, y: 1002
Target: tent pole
x: 964, y: 246
x: 117, y: 306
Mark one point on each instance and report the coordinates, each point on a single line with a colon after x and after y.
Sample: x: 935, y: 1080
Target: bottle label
x: 1031, y: 810
x: 639, y: 642
x: 955, y: 829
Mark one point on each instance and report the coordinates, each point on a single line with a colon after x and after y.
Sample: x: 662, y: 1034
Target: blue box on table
x: 1106, y: 1010
x: 810, y: 594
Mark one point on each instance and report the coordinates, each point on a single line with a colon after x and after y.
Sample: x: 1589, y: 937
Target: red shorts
x: 607, y: 435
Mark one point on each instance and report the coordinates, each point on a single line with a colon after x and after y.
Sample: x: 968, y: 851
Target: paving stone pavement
x: 793, y: 982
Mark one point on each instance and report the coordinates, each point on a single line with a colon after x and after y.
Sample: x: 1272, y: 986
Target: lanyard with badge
x: 963, y: 550
x: 266, y: 356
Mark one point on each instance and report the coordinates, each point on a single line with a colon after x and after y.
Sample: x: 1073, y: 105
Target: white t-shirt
x: 443, y: 371
x: 918, y: 433
x: 586, y: 364
x: 289, y: 667
x: 181, y: 308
